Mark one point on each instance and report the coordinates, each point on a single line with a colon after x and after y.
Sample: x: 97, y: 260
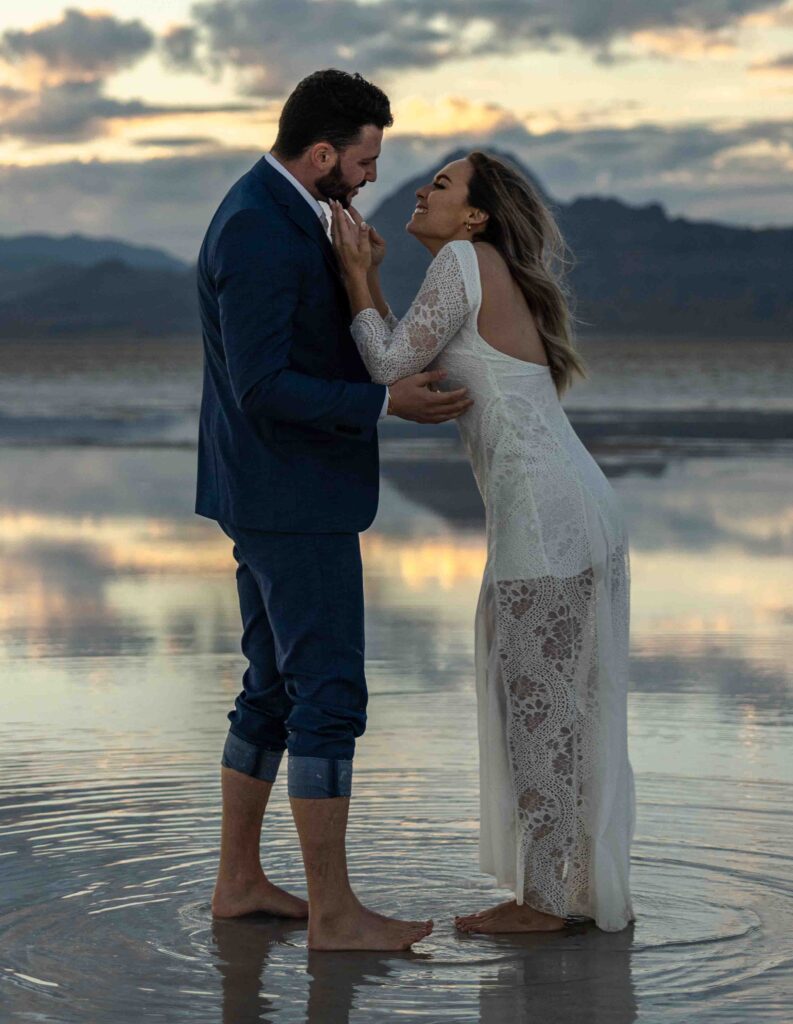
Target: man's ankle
x: 241, y: 876
x: 327, y: 912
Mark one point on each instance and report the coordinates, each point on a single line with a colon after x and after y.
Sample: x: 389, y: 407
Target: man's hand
x: 412, y: 399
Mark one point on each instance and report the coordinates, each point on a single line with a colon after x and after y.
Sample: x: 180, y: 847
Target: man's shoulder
x: 248, y: 212
x: 248, y: 196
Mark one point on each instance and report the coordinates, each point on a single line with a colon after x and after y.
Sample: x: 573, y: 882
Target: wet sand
x: 119, y: 634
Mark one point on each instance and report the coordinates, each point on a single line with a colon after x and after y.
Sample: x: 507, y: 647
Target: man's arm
x: 258, y: 275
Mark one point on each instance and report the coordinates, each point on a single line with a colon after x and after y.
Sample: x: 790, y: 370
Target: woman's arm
x: 397, y: 349
x: 379, y: 300
x: 411, y: 392
x: 377, y: 247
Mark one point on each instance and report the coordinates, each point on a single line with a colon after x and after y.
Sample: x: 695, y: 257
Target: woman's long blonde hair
x: 524, y: 231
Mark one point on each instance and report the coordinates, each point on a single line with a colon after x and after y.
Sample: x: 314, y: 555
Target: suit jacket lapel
x: 300, y: 212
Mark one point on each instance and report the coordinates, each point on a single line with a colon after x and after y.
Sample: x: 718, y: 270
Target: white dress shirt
x: 317, y: 208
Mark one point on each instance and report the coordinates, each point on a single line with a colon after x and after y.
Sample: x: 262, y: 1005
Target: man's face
x: 354, y: 166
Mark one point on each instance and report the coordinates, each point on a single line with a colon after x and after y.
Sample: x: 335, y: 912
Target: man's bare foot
x: 508, y: 917
x: 359, y: 928
x: 255, y: 895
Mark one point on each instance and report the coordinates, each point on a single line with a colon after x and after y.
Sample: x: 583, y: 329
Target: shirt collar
x: 312, y: 202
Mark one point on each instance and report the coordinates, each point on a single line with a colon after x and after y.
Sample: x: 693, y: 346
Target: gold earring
x: 468, y: 225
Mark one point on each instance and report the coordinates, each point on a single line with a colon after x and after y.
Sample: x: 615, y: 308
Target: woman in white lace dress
x: 557, y: 796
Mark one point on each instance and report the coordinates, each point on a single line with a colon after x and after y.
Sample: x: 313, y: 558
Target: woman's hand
x: 351, y: 241
x: 376, y: 241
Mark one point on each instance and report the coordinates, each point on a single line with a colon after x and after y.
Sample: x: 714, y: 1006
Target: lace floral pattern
x: 548, y: 655
x: 393, y: 349
x: 552, y: 624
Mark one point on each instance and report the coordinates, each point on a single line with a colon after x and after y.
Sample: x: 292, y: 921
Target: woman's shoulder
x: 456, y: 260
x: 488, y: 256
x: 460, y: 250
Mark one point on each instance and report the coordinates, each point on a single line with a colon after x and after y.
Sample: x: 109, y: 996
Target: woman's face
x: 442, y: 208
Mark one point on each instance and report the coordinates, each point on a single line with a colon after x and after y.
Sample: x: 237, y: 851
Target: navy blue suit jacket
x: 288, y: 429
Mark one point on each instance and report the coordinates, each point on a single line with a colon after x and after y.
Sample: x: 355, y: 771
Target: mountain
x: 636, y: 270
x: 640, y: 271
x: 79, y: 250
x: 109, y: 298
x: 54, y: 286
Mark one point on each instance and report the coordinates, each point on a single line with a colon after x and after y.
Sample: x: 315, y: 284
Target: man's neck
x: 298, y: 171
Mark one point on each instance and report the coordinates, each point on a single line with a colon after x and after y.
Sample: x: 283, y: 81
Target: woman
x: 557, y: 795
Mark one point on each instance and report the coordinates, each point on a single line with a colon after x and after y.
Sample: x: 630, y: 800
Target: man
x: 288, y: 466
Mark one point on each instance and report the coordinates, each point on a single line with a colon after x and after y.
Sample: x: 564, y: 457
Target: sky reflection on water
x: 119, y: 639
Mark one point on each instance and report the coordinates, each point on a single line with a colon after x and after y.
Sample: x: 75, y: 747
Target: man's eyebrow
x: 446, y: 176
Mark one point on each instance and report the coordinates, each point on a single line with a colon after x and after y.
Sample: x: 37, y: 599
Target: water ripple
x: 115, y: 877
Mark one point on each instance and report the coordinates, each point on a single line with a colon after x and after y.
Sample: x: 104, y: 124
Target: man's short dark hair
x: 329, y: 106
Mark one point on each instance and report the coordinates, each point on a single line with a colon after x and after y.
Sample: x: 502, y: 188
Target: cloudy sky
x: 134, y: 126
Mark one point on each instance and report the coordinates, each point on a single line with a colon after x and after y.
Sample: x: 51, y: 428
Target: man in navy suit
x: 288, y: 466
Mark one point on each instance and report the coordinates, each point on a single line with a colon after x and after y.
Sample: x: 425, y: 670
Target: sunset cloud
x: 109, y: 102
x: 683, y: 43
x: 782, y: 63
x: 64, y: 66
x: 177, y: 141
x: 179, y: 46
x: 740, y: 174
x: 73, y: 111
x: 270, y: 44
x: 451, y: 115
x: 78, y: 47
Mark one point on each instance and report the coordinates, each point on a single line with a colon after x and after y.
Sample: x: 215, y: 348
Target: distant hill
x: 637, y: 271
x: 78, y: 285
x: 109, y: 298
x: 641, y: 271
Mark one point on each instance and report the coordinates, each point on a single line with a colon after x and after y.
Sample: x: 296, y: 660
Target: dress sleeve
x: 393, y: 349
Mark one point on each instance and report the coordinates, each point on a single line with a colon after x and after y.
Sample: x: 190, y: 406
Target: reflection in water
x: 335, y: 981
x: 595, y: 967
x: 597, y: 988
x: 119, y: 641
x: 243, y: 951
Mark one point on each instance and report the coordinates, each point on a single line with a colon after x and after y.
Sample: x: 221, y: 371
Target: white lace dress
x: 557, y: 794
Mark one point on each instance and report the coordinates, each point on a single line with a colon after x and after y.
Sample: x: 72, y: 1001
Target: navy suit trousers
x: 304, y: 690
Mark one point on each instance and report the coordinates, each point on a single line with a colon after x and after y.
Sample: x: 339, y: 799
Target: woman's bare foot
x: 359, y: 928
x: 508, y: 917
x: 255, y: 895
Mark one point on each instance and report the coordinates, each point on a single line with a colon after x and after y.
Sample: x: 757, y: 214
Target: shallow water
x: 119, y: 660
x: 148, y: 391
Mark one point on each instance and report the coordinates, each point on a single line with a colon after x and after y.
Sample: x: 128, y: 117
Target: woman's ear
x: 479, y: 218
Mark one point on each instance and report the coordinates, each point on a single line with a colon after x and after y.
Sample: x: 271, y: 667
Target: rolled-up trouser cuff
x: 249, y: 759
x: 319, y: 778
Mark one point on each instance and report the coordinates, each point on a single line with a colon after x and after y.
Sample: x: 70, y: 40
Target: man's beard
x: 333, y: 186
